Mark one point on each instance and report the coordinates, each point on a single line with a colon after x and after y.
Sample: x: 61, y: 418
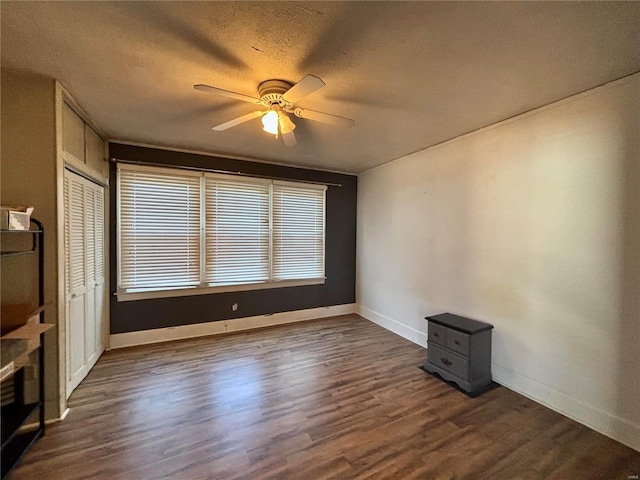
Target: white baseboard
x: 411, y: 334
x: 56, y: 420
x: 606, y: 423
x: 144, y: 337
x: 610, y: 425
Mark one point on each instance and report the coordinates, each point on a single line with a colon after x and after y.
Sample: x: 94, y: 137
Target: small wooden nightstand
x: 459, y: 350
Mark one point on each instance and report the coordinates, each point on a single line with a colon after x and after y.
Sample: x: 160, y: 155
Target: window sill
x: 188, y: 292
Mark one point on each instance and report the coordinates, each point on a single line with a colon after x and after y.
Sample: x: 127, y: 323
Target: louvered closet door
x: 75, y: 271
x: 99, y: 259
x: 90, y: 266
x: 84, y: 275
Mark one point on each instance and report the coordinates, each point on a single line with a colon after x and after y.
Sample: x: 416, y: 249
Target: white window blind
x: 209, y: 231
x: 237, y: 231
x: 159, y: 229
x: 298, y: 231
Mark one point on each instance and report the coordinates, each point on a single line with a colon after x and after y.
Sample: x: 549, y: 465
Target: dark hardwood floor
x: 336, y: 398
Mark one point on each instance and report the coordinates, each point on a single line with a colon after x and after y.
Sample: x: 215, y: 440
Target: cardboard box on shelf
x: 15, y: 218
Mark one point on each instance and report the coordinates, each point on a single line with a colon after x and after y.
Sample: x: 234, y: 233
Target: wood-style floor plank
x: 336, y: 398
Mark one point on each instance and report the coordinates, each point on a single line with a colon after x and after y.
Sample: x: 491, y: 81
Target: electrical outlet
x: 234, y: 307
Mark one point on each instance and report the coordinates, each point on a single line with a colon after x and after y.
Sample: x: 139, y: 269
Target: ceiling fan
x: 278, y: 98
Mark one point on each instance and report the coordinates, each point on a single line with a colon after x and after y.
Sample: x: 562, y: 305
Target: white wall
x: 534, y: 226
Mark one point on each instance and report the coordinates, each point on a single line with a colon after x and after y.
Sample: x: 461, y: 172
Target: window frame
x: 203, y: 288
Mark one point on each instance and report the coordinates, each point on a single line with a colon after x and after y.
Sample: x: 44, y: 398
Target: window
x: 183, y: 233
x: 298, y: 231
x: 159, y: 230
x: 237, y: 231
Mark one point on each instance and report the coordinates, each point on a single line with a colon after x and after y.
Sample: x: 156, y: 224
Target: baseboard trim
x: 411, y: 334
x: 56, y: 420
x: 602, y: 422
x: 145, y: 337
x: 605, y: 423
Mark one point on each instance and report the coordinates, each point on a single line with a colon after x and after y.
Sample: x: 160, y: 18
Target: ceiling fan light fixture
x: 286, y: 125
x: 270, y: 122
x: 278, y: 97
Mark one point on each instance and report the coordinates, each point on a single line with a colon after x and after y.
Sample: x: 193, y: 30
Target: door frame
x: 64, y: 160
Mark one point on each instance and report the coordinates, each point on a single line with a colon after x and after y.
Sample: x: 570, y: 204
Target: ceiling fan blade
x: 226, y: 93
x: 304, y: 87
x: 325, y: 118
x: 289, y: 139
x: 238, y: 121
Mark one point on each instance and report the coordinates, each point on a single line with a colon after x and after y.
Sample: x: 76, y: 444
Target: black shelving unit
x: 23, y: 423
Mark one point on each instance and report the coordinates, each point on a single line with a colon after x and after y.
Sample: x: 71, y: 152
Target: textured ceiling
x: 410, y: 74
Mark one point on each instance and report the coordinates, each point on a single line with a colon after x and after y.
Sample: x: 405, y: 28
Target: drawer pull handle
x: 446, y: 361
x: 437, y: 335
x: 456, y: 342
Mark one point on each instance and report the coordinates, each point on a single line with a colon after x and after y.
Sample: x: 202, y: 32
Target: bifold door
x: 84, y: 275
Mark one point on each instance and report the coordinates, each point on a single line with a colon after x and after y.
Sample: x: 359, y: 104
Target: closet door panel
x: 84, y: 275
x: 76, y: 337
x: 100, y: 275
x: 77, y: 273
x: 100, y: 323
x: 90, y: 245
x: 91, y: 352
x: 77, y: 253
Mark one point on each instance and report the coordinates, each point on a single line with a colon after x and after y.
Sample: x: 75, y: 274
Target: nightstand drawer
x: 437, y: 334
x: 458, y: 341
x: 449, y: 361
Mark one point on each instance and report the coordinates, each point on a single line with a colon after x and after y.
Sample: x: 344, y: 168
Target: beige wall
x: 532, y: 225
x: 28, y: 172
